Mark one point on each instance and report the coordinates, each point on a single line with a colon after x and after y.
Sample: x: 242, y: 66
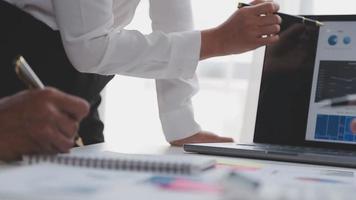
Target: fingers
x: 65, y: 124
x: 61, y: 143
x: 47, y: 121
x: 248, y: 28
x: 266, y: 8
x: 53, y: 131
x: 269, y: 30
x: 74, y: 106
x: 266, y: 23
x: 225, y: 140
x: 269, y: 20
x: 202, y: 137
x: 40, y: 147
x: 60, y: 130
x: 54, y: 120
x: 52, y: 141
x: 216, y: 139
x: 268, y: 40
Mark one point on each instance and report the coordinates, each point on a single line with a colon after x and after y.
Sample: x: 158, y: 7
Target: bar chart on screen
x: 334, y: 128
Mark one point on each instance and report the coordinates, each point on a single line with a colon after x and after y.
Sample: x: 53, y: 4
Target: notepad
x: 180, y: 165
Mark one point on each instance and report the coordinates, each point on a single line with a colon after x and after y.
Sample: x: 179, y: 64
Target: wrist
x: 210, y: 44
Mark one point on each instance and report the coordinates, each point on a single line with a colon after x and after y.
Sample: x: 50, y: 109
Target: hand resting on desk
x: 202, y: 137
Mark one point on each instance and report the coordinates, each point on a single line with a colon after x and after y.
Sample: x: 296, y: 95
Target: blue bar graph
x: 334, y: 128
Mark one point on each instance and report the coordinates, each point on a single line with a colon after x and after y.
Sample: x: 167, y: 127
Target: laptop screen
x: 308, y: 65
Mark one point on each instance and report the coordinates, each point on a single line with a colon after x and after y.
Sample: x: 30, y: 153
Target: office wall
x: 334, y: 7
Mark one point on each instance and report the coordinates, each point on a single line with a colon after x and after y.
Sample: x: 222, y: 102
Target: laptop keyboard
x: 297, y: 149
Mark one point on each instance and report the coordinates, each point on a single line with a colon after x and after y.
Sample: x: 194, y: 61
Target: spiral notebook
x: 180, y: 165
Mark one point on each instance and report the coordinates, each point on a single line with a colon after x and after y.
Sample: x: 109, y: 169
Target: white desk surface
x: 301, y: 170
x: 169, y: 150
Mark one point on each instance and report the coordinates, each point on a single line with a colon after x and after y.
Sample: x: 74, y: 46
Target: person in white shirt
x: 96, y: 41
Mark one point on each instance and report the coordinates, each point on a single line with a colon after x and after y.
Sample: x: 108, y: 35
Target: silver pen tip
x: 318, y: 23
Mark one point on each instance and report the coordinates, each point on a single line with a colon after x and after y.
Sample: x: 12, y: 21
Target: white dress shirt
x: 95, y: 40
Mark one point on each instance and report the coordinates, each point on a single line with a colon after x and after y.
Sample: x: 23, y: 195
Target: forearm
x: 93, y: 45
x: 176, y: 109
x: 174, y: 96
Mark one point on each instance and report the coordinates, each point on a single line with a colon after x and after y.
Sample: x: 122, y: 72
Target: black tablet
x: 308, y: 65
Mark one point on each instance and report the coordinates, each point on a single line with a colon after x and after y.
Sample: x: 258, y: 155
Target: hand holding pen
x: 245, y: 30
x: 60, y: 113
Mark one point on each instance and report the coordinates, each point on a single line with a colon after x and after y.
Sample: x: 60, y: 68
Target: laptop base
x: 316, y: 156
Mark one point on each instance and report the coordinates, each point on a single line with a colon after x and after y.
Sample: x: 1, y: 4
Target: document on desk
x: 312, y: 175
x: 291, y: 192
x: 294, y: 183
x: 56, y: 182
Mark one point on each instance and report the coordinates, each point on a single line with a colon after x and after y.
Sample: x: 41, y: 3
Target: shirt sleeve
x: 174, y: 95
x: 93, y: 45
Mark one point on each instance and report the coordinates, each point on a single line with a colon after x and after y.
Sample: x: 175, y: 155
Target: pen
x: 244, y: 181
x: 339, y: 101
x: 29, y: 77
x: 298, y: 19
x: 241, y: 186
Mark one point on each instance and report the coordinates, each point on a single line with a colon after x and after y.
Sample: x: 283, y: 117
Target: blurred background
x: 130, y: 110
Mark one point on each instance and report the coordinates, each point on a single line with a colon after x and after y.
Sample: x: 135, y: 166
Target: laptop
x: 307, y: 66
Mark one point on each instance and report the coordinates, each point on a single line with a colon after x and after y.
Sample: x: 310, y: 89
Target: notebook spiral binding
x: 128, y: 164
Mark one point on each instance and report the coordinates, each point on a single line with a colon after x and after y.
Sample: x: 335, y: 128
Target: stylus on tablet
x: 296, y: 18
x: 347, y: 100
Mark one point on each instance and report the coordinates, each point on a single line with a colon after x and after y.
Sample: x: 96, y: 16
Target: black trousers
x: 22, y: 34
